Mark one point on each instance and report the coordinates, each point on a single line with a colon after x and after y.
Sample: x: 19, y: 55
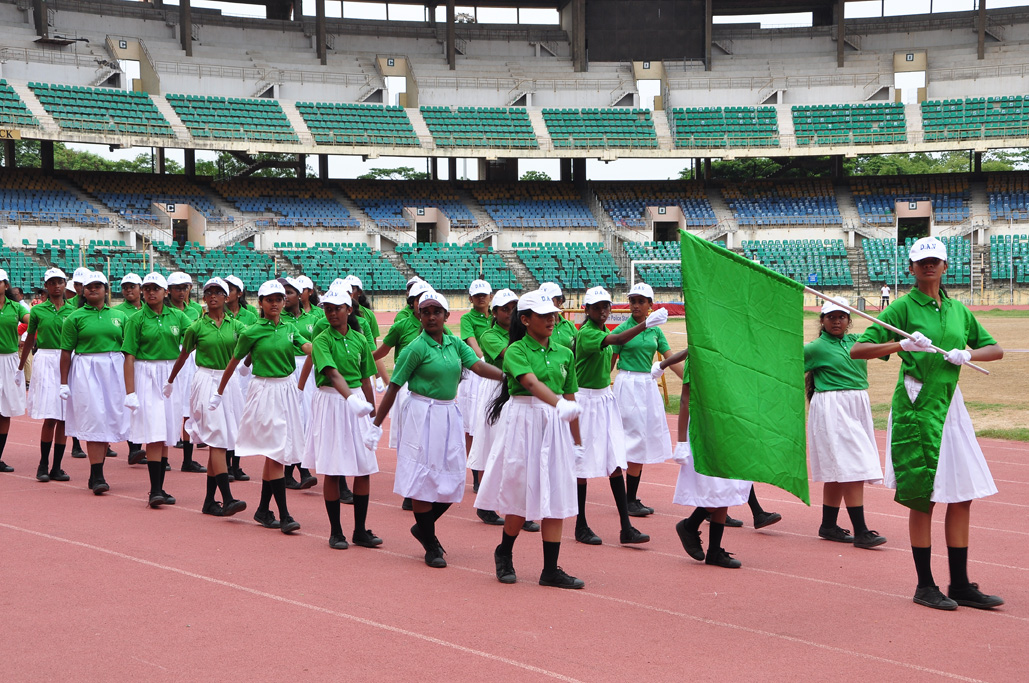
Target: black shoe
x: 137, y: 456
x: 633, y: 535
x: 583, y: 534
x: 156, y: 500
x: 309, y: 481
x: 638, y: 509
x: 59, y: 475
x: 169, y: 499
x: 144, y: 461
x: 292, y: 484
x: 288, y: 525
x: 531, y: 526
x: 690, y: 541
x: 346, y: 497
x: 338, y: 542
x: 167, y: 466
x: 763, y: 519
x: 490, y: 517
x: 475, y: 487
x: 434, y: 557
x: 240, y: 475
x: 559, y: 579
x: 932, y: 596
x: 100, y: 486
x: 42, y: 475
x: 111, y: 453
x: 407, y: 505
x: 720, y: 558
x: 232, y: 477
x: 214, y: 508
x: 266, y: 519
x: 181, y: 443
x: 971, y: 596
x: 868, y: 539
x: 835, y: 533
x: 734, y: 523
x: 201, y: 445
x: 78, y: 453
x: 193, y: 466
x: 4, y: 467
x: 365, y: 539
x: 233, y: 506
x: 505, y: 567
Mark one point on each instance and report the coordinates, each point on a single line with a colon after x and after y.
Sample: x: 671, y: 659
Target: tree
x: 538, y: 176
x: 400, y: 173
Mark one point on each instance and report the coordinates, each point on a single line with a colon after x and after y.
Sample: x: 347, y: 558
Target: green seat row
x: 102, y: 110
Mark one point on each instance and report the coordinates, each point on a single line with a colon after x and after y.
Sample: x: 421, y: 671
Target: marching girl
x: 335, y: 445
x: 44, y: 402
x: 840, y: 436
x: 150, y: 346
x: 430, y: 455
x: 271, y: 425
x: 369, y: 325
x: 12, y: 377
x: 237, y: 308
x: 564, y: 329
x: 473, y: 324
x: 530, y: 472
x: 179, y: 286
x: 601, y: 449
x: 93, y: 380
x: 933, y: 456
x: 131, y: 294
x: 647, y: 440
x: 300, y: 291
x: 213, y: 339
x: 74, y: 301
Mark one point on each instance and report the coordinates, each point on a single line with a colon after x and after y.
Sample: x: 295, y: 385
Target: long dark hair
x: 516, y: 331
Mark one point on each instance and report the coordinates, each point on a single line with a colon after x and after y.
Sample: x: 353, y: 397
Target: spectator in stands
x: 179, y: 286
x: 237, y: 308
x: 564, y: 329
x: 12, y: 379
x: 46, y: 321
x: 600, y: 451
x: 884, y: 295
x: 431, y: 457
x: 271, y: 425
x: 840, y: 436
x: 933, y: 454
x: 304, y: 321
x: 131, y: 293
x: 473, y: 324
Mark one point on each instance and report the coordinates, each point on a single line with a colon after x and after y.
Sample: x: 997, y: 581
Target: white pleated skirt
x: 95, y: 411
x: 482, y: 431
x: 468, y: 398
x: 157, y: 419
x: 647, y: 439
x: 530, y: 471
x: 335, y: 438
x: 962, y: 473
x: 699, y: 490
x: 310, y: 389
x: 271, y: 424
x: 243, y: 380
x: 44, y: 399
x: 430, y: 454
x: 841, y: 438
x: 217, y: 428
x: 396, y: 419
x: 600, y: 427
x: 12, y: 397
x: 181, y: 387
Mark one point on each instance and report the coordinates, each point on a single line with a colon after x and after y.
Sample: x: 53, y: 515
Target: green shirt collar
x: 924, y: 299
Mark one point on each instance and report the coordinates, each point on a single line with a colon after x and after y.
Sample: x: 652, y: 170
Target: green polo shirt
x: 73, y: 300
x: 306, y: 321
x: 564, y: 332
x: 828, y: 359
x: 273, y: 348
x: 404, y: 330
x: 494, y: 340
x: 10, y: 316
x: 553, y: 365
x: 191, y: 313
x: 473, y: 324
x: 46, y: 321
x: 350, y: 355
x: 246, y: 315
x: 128, y: 309
x: 88, y: 330
x: 433, y: 370
x: 214, y: 344
x: 153, y: 336
x: 369, y: 325
x: 592, y: 358
x: 637, y: 354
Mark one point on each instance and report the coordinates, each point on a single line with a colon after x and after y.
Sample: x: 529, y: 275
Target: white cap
x: 503, y: 297
x: 80, y: 274
x: 354, y: 282
x: 831, y: 305
x: 131, y: 279
x: 928, y: 247
x: 433, y: 298
x: 642, y: 289
x: 304, y: 282
x: 419, y: 288
x: 236, y: 282
x: 594, y: 295
x: 414, y: 280
x: 538, y: 301
x: 337, y: 297
x: 155, y: 279
x: 294, y: 283
x: 217, y: 282
x: 3, y: 275
x: 179, y: 278
x: 271, y: 287
x: 51, y: 273
x: 551, y: 289
x: 479, y: 287
x: 94, y: 276
x: 341, y: 284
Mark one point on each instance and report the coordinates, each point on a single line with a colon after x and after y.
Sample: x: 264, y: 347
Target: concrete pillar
x: 707, y: 168
x: 10, y: 156
x: 840, y: 32
x: 46, y: 154
x: 161, y: 162
x: 301, y: 166
x: 452, y: 168
x: 319, y: 31
x: 579, y: 171
x: 709, y: 22
x: 566, y: 170
x: 836, y: 162
x: 434, y: 168
x: 451, y: 34
x: 41, y: 18
x: 323, y: 166
x: 190, y: 162
x: 981, y: 27
x: 977, y: 162
x: 186, y: 27
x: 579, y: 61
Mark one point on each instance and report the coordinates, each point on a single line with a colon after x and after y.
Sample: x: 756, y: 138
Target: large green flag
x: 746, y: 341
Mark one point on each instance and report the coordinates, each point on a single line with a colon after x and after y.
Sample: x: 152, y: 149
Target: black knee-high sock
x: 957, y: 558
x: 155, y: 470
x: 632, y: 485
x: 551, y: 550
x: 96, y: 472
x: 288, y: 472
x: 212, y: 488
x: 438, y: 509
x: 506, y: 546
x: 75, y: 445
x: 279, y: 491
x: 164, y: 463
x: 133, y: 446
x: 44, y: 454
x: 755, y: 507
x: 923, y: 565
x: 621, y: 502
x: 857, y: 518
x: 332, y: 508
x: 715, y: 536
x: 304, y: 473
x: 187, y: 453
x: 698, y: 516
x: 233, y: 460
x: 58, y: 457
x: 426, y: 527
x: 3, y: 444
x: 266, y: 495
x: 343, y: 488
x: 580, y: 519
x: 830, y: 515
x: 360, y: 512
x: 475, y: 477
x: 222, y: 481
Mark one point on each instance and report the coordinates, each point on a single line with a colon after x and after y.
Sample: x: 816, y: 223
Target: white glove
x: 216, y: 400
x: 65, y: 392
x: 681, y: 455
x: 567, y: 410
x: 358, y: 406
x: 19, y: 378
x: 658, y: 317
x: 372, y: 437
x: 168, y: 390
x: 958, y: 356
x: 380, y: 386
x: 244, y: 370
x: 917, y: 342
x: 132, y: 401
x: 580, y: 453
x: 656, y: 370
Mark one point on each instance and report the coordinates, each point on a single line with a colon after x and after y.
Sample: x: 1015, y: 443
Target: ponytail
x: 514, y: 333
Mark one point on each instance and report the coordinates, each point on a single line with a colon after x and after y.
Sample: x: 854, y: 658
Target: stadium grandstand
x: 438, y: 91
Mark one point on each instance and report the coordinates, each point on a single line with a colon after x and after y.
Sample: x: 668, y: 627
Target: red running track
x: 101, y: 589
